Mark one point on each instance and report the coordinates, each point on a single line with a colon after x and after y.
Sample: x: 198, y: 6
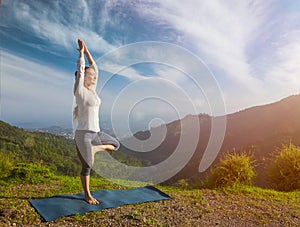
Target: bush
x: 233, y: 169
x: 283, y: 170
x: 6, y: 165
x: 183, y: 183
x: 31, y: 173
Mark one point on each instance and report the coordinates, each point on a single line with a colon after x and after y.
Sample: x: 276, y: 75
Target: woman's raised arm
x: 92, y: 64
x: 88, y: 55
x: 78, y: 86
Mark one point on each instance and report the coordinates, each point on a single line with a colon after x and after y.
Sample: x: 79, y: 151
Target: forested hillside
x: 56, y: 152
x: 47, y: 149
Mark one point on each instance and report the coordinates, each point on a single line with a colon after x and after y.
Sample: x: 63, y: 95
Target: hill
x: 260, y: 129
x: 56, y: 152
x: 53, y: 151
x: 270, y: 124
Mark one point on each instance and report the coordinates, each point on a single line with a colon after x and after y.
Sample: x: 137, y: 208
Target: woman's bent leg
x: 105, y: 141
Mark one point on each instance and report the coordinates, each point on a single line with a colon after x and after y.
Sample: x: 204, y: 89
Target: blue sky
x: 251, y: 48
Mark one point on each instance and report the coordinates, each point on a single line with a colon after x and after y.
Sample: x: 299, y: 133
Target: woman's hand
x: 81, y: 46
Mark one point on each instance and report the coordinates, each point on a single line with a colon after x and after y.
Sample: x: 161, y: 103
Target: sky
x: 159, y: 60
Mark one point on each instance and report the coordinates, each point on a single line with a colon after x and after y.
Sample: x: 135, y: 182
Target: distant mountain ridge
x: 264, y: 122
x: 260, y: 129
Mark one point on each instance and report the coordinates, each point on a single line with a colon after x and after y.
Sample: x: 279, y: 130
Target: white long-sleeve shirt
x: 88, y: 102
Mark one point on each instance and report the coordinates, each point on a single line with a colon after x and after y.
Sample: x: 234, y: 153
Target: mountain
x: 268, y: 124
x: 260, y: 129
x: 264, y: 129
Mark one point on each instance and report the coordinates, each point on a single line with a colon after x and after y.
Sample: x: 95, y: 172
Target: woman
x: 88, y: 137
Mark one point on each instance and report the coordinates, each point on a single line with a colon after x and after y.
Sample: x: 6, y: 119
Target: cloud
x: 220, y: 32
x: 61, y: 25
x: 251, y: 47
x: 121, y: 70
x: 31, y: 91
x: 245, y: 44
x: 283, y: 77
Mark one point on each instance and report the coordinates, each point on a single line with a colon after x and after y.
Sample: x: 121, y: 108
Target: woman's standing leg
x: 84, y: 151
x: 87, y: 144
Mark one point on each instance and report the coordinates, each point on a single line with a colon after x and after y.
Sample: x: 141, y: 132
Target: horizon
x: 251, y: 55
x: 29, y: 124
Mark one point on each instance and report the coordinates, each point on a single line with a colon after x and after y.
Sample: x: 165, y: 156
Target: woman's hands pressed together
x: 81, y: 46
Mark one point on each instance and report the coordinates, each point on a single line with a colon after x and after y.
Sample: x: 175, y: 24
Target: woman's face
x: 90, y: 77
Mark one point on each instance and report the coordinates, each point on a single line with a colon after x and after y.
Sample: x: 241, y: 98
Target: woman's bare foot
x: 91, y: 200
x: 102, y: 148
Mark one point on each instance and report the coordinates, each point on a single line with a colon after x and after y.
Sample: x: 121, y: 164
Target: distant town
x: 65, y: 132
x: 56, y: 130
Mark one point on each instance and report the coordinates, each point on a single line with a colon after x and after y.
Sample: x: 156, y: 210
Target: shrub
x: 6, y: 165
x: 283, y: 170
x: 233, y: 169
x: 183, y: 183
x: 31, y: 173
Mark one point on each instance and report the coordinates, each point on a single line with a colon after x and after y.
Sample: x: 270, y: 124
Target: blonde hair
x: 75, y: 112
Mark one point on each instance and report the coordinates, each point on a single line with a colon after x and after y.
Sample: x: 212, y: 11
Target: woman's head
x: 90, y: 76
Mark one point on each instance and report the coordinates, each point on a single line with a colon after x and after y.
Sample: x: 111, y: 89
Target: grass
x: 190, y: 207
x: 264, y: 194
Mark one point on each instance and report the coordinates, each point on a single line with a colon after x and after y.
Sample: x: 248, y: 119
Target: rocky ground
x: 197, y: 207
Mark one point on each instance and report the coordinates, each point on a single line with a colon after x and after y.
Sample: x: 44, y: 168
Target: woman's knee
x: 85, y: 171
x: 116, y: 144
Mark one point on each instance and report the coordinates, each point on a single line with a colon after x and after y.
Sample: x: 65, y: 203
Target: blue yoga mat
x: 64, y: 205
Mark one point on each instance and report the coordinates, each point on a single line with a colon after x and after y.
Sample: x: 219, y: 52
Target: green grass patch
x: 263, y: 194
x: 30, y: 173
